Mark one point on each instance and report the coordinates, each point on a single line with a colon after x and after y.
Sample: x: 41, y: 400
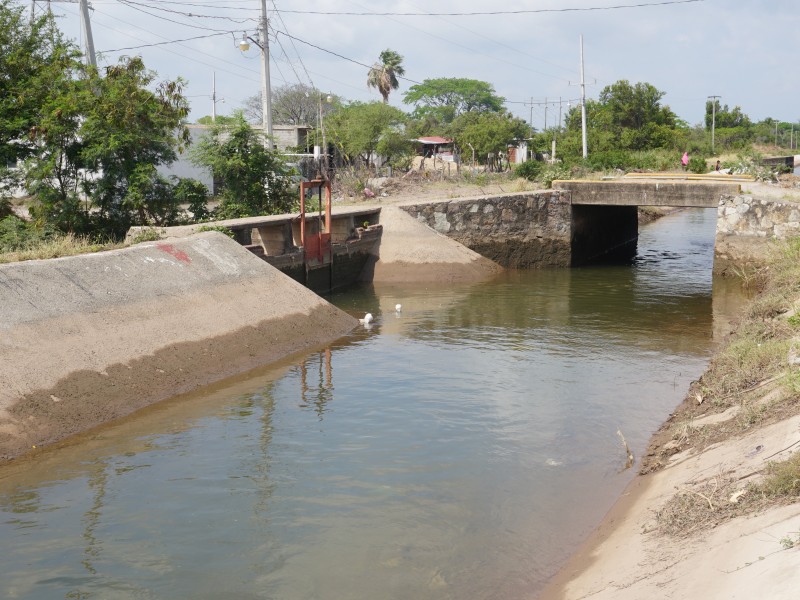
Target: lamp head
x: 244, y: 45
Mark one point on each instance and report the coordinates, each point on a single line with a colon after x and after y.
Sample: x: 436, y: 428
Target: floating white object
x: 367, y: 319
x: 398, y: 307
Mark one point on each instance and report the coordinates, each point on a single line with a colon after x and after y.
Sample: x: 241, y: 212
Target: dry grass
x: 699, y: 507
x: 756, y: 371
x: 67, y: 245
x: 782, y: 479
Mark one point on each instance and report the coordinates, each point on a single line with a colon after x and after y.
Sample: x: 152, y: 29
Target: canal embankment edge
x: 699, y: 522
x: 92, y: 338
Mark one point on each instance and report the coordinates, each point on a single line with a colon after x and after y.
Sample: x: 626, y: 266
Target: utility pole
x: 713, y: 118
x: 266, y: 99
x: 87, y: 32
x: 213, y: 96
x: 559, y: 114
x: 583, y: 105
x: 545, y: 115
x: 531, y: 116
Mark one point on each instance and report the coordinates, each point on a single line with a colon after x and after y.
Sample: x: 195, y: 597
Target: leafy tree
x: 35, y: 64
x: 35, y: 61
x: 98, y: 142
x: 725, y: 117
x: 194, y: 194
x: 361, y: 130
x: 448, y: 97
x: 624, y: 117
x: 297, y: 104
x: 488, y: 132
x: 255, y: 179
x: 383, y: 74
x: 634, y: 106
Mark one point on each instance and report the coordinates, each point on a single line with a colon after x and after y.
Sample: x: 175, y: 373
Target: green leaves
x: 383, y: 74
x: 255, y: 180
x: 361, y: 129
x: 449, y: 97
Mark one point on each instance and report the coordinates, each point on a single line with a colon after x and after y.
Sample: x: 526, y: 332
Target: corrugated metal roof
x: 434, y: 139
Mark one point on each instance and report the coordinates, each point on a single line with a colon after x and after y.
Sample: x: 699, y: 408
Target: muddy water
x: 457, y: 449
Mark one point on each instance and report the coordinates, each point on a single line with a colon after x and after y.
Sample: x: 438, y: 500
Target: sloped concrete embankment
x: 88, y: 339
x: 410, y: 251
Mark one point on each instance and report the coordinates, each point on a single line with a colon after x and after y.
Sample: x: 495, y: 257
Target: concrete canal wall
x: 515, y: 230
x: 91, y: 338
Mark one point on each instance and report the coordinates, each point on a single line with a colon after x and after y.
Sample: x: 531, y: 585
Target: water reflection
x: 458, y: 449
x: 320, y: 391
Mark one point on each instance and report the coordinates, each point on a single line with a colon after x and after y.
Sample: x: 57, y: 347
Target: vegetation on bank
x: 754, y: 380
x: 89, y: 145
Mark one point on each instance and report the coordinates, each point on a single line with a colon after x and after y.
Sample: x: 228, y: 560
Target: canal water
x: 459, y: 448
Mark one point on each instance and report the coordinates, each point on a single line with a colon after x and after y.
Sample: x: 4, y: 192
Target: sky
x: 744, y: 51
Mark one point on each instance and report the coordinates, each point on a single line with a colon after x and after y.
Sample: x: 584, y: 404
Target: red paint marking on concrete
x: 179, y: 254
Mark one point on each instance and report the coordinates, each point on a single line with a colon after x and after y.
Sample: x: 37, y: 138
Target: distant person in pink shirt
x: 685, y: 160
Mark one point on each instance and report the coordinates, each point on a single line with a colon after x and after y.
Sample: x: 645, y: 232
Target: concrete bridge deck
x: 652, y: 192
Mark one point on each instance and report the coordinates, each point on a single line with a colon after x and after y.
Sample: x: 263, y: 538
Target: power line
x: 131, y: 3
x: 197, y: 37
x: 491, y: 13
x: 134, y: 7
x: 338, y: 55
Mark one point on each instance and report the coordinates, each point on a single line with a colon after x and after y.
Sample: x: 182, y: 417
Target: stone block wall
x: 522, y: 230
x: 748, y: 216
x: 745, y: 227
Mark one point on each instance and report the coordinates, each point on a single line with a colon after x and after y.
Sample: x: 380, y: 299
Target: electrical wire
x: 197, y: 37
x: 491, y: 13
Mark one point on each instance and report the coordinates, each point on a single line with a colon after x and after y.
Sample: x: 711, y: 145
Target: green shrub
x: 220, y: 228
x: 529, y: 170
x: 195, y: 195
x: 17, y: 234
x: 552, y: 172
x: 697, y: 165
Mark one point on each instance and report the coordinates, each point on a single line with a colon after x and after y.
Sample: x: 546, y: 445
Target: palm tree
x: 383, y: 74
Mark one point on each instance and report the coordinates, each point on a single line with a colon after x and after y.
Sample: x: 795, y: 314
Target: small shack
x: 435, y: 147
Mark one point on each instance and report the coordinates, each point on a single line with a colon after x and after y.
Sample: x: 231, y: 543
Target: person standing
x: 685, y: 160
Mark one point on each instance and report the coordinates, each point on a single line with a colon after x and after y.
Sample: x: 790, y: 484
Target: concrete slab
x: 87, y: 339
x: 410, y: 251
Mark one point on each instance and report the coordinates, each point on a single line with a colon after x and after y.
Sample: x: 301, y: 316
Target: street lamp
x: 266, y: 100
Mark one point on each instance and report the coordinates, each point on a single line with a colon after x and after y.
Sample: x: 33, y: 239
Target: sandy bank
x: 628, y: 558
x: 91, y: 338
x: 704, y: 523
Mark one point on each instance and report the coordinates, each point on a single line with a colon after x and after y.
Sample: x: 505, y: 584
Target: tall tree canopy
x: 361, y: 130
x: 487, y: 132
x: 626, y: 117
x: 35, y: 62
x: 297, y: 104
x: 98, y: 141
x: 725, y: 117
x: 383, y: 74
x: 448, y: 97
